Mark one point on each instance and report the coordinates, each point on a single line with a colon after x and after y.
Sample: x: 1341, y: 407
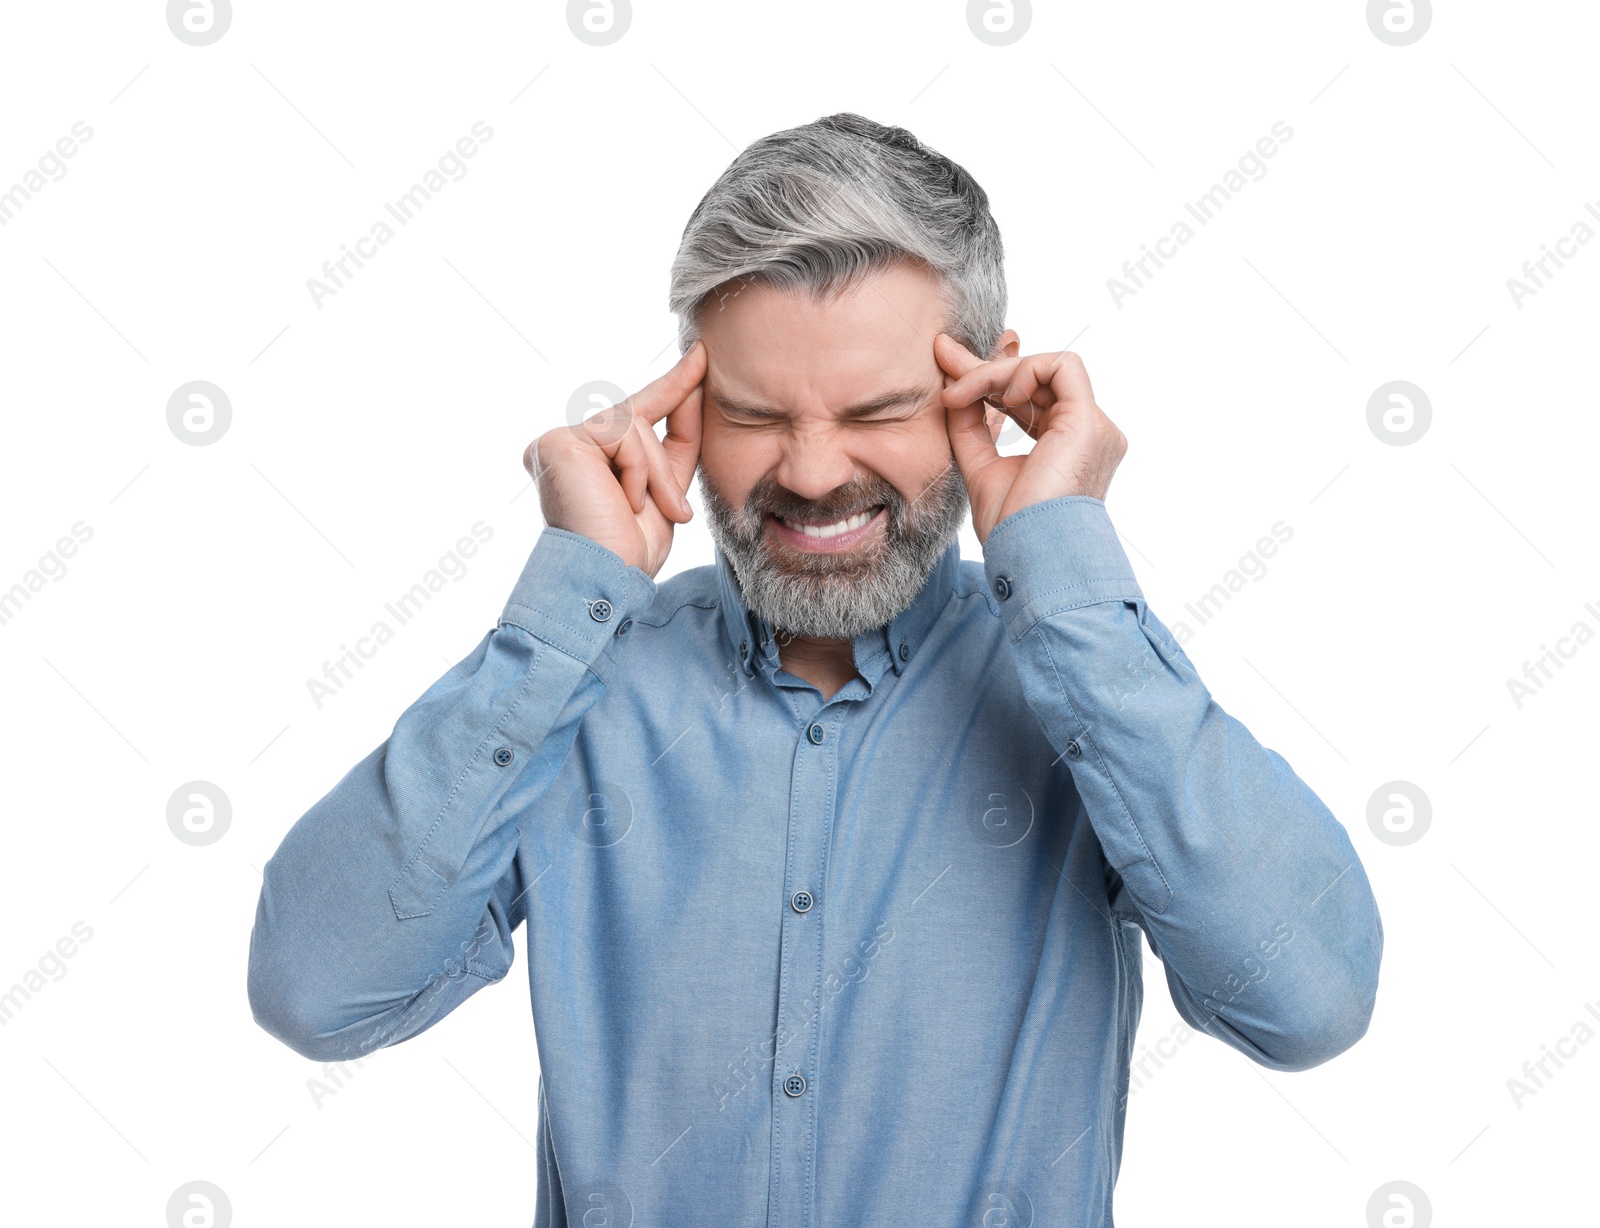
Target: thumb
x: 971, y: 440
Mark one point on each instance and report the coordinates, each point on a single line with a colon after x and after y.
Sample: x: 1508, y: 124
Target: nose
x: 813, y: 467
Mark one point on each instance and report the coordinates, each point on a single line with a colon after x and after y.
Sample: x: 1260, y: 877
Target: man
x: 834, y: 856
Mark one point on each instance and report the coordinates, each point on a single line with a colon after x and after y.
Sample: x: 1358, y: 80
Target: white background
x: 369, y: 433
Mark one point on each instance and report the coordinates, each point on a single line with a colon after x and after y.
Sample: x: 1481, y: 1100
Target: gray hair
x: 823, y: 205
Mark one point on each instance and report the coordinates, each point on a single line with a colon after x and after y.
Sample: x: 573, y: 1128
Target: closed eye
x: 885, y: 410
x: 783, y: 420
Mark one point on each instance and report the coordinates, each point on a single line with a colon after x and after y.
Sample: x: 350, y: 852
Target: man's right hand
x: 610, y: 479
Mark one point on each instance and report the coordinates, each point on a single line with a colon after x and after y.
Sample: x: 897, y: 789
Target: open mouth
x: 837, y: 535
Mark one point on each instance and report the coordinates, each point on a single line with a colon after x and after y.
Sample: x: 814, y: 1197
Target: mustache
x: 746, y: 523
x: 771, y: 498
x: 837, y: 505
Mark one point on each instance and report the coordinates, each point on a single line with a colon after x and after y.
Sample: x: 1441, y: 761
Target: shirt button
x: 801, y: 901
x: 795, y: 1085
x: 504, y: 755
x: 600, y: 610
x: 622, y: 628
x: 1074, y: 751
x: 1002, y: 587
x: 905, y: 652
x: 816, y: 733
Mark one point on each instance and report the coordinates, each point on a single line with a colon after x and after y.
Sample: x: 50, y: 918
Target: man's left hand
x: 1076, y: 447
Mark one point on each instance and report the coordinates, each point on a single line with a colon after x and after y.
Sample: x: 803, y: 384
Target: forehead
x: 791, y: 351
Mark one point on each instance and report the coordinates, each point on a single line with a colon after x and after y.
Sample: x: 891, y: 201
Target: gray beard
x: 827, y: 597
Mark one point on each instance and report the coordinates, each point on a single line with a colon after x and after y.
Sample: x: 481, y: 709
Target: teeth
x: 834, y: 529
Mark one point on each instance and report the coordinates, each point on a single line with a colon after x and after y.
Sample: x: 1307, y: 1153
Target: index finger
x: 957, y: 364
x: 985, y: 380
x: 661, y: 396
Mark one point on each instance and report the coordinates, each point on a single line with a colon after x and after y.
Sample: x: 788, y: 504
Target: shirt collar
x: 892, y: 645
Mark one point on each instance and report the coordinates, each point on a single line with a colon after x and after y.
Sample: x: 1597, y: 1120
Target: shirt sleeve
x: 1247, y: 887
x: 393, y: 899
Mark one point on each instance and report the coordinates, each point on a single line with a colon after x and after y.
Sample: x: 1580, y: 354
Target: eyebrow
x: 899, y: 399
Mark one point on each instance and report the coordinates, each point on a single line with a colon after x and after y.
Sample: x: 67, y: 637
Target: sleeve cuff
x: 1056, y: 555
x: 576, y: 595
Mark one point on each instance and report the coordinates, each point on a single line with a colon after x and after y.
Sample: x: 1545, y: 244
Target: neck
x: 813, y: 648
x: 826, y: 664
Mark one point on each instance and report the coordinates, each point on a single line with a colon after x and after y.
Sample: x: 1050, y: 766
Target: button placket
x: 801, y: 986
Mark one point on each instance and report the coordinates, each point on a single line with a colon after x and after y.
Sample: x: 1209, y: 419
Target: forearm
x: 1247, y: 886
x: 394, y: 897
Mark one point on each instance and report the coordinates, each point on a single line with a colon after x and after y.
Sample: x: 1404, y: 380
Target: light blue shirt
x: 865, y: 961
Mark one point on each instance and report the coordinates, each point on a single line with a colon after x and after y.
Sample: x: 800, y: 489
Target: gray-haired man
x: 834, y: 856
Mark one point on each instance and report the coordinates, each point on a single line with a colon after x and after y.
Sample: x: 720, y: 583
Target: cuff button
x: 504, y: 755
x: 1002, y: 587
x: 600, y: 610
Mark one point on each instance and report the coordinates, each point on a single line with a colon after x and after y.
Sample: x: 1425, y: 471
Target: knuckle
x: 549, y: 445
x: 605, y: 426
x: 552, y: 449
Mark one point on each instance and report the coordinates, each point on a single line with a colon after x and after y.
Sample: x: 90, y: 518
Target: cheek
x: 734, y: 462
x: 908, y: 458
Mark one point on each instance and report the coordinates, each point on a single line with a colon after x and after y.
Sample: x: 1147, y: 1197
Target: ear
x: 1006, y: 346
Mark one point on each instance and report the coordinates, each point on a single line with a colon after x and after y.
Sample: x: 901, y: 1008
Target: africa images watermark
x: 1166, y: 1046
x: 52, y: 964
x: 52, y: 163
x: 51, y: 566
x: 334, y: 1076
x: 337, y: 273
x: 451, y: 566
x: 1542, y: 669
x: 1252, y: 566
x: 1537, y: 1073
x: 1535, y: 273
x: 757, y: 1055
x: 1125, y: 680
x: 1136, y: 273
